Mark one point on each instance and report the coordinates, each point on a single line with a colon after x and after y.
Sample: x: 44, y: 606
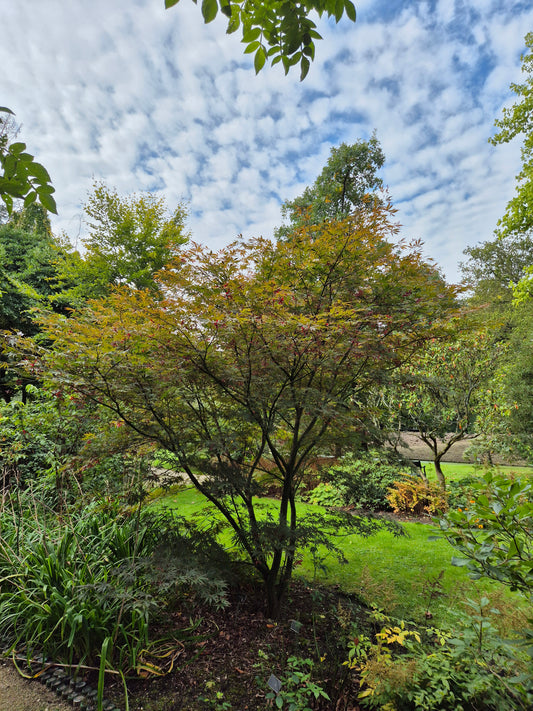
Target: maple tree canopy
x: 256, y: 355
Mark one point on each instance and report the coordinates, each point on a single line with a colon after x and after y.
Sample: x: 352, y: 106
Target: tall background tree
x: 29, y: 278
x: 518, y: 121
x: 500, y: 274
x: 348, y: 180
x: 130, y: 239
x: 492, y: 268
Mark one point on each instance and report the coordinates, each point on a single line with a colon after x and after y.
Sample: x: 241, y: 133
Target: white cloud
x: 146, y: 98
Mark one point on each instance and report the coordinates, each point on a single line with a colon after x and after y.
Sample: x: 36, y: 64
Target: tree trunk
x: 439, y: 473
x: 274, y: 597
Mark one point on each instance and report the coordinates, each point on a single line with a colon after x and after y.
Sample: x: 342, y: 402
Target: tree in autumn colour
x: 439, y: 390
x: 256, y: 357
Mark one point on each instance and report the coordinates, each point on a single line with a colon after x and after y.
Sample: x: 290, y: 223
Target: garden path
x: 19, y: 694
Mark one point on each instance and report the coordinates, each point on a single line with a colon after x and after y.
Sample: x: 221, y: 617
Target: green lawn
x: 398, y: 574
x: 456, y: 471
x: 395, y: 573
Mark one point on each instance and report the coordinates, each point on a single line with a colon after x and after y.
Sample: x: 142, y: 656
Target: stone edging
x: 76, y: 692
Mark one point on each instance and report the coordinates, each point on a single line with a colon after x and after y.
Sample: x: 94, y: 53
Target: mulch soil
x: 233, y: 653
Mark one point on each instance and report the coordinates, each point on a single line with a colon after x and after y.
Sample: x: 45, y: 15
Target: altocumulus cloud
x: 148, y: 99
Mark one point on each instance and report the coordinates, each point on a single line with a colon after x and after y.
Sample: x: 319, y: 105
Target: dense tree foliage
x: 29, y: 277
x: 439, y: 390
x: 256, y: 356
x: 130, y: 239
x: 499, y: 271
x: 517, y: 381
x: 279, y: 30
x: 518, y: 120
x: 495, y: 265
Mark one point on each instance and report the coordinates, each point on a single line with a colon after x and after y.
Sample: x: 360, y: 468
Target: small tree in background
x: 440, y: 389
x: 256, y: 357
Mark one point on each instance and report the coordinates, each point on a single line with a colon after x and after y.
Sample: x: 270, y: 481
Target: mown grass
x: 455, y: 471
x: 409, y: 576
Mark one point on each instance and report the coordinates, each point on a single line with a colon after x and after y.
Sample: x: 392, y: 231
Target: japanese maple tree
x: 257, y: 356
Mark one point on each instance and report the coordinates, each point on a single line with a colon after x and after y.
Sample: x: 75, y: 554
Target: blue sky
x: 145, y: 98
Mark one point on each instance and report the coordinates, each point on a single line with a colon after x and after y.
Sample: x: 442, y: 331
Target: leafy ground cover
x: 320, y: 648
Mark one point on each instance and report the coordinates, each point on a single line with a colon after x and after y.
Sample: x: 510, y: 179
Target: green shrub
x: 362, y: 481
x: 325, y: 494
x: 461, y: 492
x: 424, y: 669
x: 494, y: 532
x: 64, y: 446
x: 298, y: 691
x: 186, y: 558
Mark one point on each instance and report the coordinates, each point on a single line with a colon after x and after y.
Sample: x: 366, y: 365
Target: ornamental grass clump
x: 67, y: 585
x: 73, y: 584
